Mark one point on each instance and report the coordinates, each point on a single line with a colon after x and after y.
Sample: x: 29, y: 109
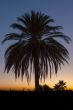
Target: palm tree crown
x: 36, y: 49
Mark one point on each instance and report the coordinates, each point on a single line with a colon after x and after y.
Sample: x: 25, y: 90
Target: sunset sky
x: 61, y: 11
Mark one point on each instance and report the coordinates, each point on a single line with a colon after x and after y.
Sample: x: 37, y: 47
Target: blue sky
x: 60, y: 10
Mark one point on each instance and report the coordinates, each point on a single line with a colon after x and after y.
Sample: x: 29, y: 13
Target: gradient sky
x: 61, y: 11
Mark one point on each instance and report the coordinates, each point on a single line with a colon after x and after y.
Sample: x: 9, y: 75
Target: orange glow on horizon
x: 28, y: 87
x: 8, y: 82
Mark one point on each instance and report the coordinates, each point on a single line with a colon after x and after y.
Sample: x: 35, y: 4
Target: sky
x: 61, y: 11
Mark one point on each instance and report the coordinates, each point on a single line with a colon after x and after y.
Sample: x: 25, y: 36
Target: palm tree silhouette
x: 61, y: 85
x: 36, y: 49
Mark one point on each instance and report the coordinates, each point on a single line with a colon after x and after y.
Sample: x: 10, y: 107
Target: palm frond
x: 11, y: 36
x: 18, y: 26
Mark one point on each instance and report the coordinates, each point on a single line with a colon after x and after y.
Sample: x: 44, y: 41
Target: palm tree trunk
x: 37, y: 70
x: 36, y: 82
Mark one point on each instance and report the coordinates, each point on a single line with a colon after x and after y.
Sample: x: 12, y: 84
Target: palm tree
x: 61, y: 85
x: 36, y: 49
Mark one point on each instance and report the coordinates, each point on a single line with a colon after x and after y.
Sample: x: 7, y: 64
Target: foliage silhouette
x: 46, y: 88
x: 61, y: 85
x: 36, y: 49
